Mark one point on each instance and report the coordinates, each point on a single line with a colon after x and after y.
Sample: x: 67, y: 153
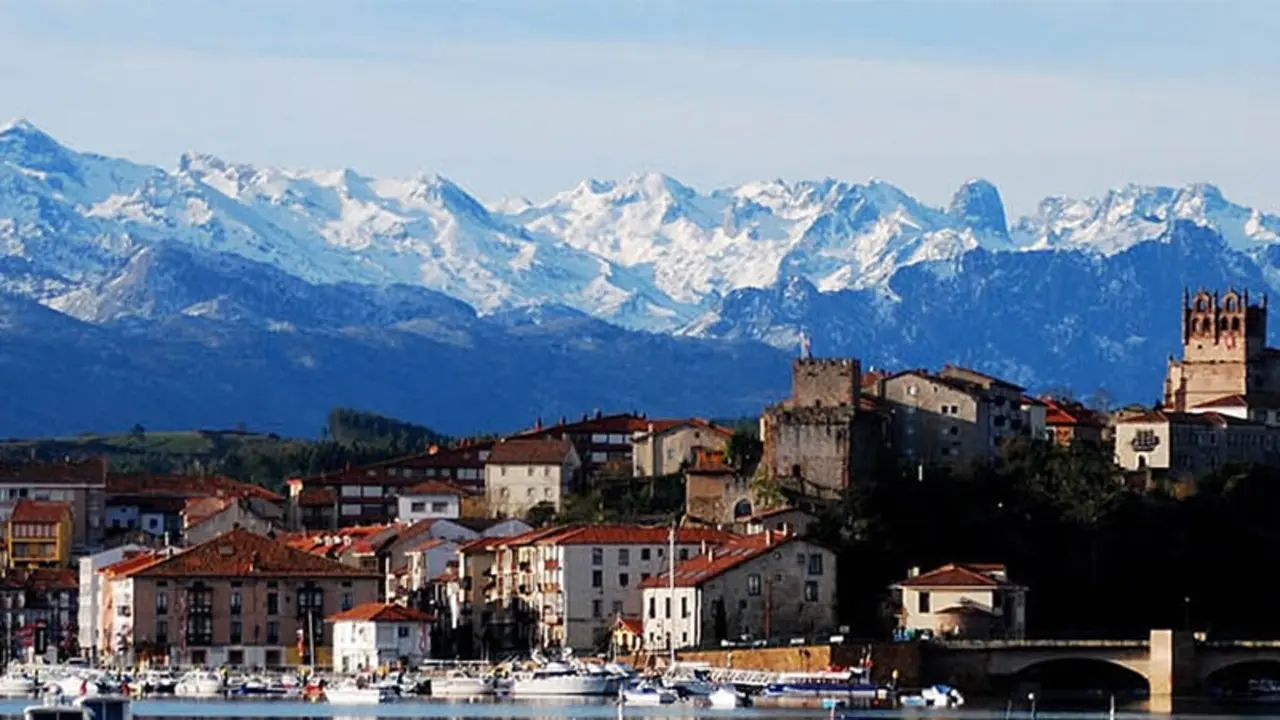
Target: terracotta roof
x: 317, y: 497
x: 1060, y: 413
x: 185, y: 486
x: 199, y: 509
x: 630, y: 535
x: 130, y: 565
x: 381, y: 612
x: 871, y: 379
x: 1028, y: 400
x: 438, y: 487
x: 40, y: 579
x: 38, y: 472
x: 40, y: 511
x: 958, y: 575
x: 631, y: 625
x: 659, y: 427
x: 718, y: 560
x: 621, y: 423
x: 238, y: 553
x: 531, y: 451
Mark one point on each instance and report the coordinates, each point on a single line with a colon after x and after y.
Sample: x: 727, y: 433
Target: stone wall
x: 885, y: 658
x: 826, y: 382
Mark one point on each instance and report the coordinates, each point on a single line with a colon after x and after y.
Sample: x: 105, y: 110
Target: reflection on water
x: 560, y: 709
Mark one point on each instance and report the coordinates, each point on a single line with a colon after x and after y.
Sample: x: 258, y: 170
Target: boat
x: 359, y: 692
x: 560, y: 679
x: 462, y: 684
x: 199, y: 683
x: 57, y: 706
x: 936, y: 696
x: 699, y: 685
x: 726, y: 697
x: 157, y: 681
x: 647, y: 694
x: 827, y: 686
x: 14, y: 684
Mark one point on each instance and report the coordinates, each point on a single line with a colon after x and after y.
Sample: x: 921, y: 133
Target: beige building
x: 1193, y: 443
x: 955, y: 417
x: 1224, y: 351
x: 571, y: 583
x: 962, y: 600
x: 666, y: 447
x: 81, y: 485
x: 765, y: 586
x: 524, y: 472
x: 239, y: 599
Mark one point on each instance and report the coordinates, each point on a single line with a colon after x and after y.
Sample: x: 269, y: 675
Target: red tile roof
x: 40, y: 579
x: 381, y: 612
x: 718, y: 560
x: 658, y: 427
x: 631, y: 625
x: 130, y: 565
x: 629, y: 535
x: 239, y: 553
x: 38, y: 472
x: 438, y: 487
x: 531, y: 451
x: 622, y: 423
x: 185, y: 486
x: 1058, y: 413
x: 958, y: 575
x: 40, y: 511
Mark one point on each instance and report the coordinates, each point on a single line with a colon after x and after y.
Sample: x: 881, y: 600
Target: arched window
x: 1222, y: 323
x: 1206, y: 325
x: 742, y: 509
x: 1201, y: 304
x: 1231, y: 304
x: 1235, y: 324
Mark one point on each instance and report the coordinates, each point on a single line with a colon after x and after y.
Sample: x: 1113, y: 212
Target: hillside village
x: 482, y: 547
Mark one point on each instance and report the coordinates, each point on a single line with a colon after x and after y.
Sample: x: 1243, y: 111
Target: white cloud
x: 532, y: 118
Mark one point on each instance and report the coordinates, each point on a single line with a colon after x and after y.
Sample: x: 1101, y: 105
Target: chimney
x: 768, y: 538
x: 704, y: 547
x: 913, y: 571
x: 711, y: 552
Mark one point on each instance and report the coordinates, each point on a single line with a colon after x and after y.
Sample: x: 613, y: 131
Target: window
x: 418, y: 506
x: 237, y: 602
x: 815, y: 564
x: 402, y: 631
x: 597, y: 608
x: 597, y: 578
x: 624, y: 556
x: 922, y: 602
x: 617, y: 607
x: 347, y: 601
x: 644, y: 554
x: 668, y: 608
x: 753, y: 584
x: 273, y: 603
x: 684, y: 553
x: 684, y: 607
x: 800, y: 559
x: 653, y: 607
x: 597, y: 556
x: 811, y: 591
x: 997, y: 601
x: 623, y: 580
x: 162, y: 632
x: 273, y: 632
x: 162, y: 603
x: 237, y: 629
x: 439, y: 507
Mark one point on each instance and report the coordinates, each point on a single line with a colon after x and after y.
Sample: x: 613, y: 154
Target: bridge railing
x: 1032, y: 644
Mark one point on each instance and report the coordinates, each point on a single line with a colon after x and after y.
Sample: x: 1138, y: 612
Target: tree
x: 540, y: 514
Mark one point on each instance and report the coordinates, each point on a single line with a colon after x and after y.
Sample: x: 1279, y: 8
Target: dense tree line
x: 1101, y: 559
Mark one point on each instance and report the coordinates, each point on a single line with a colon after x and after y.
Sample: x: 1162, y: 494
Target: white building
x: 372, y: 635
x: 770, y: 585
x: 429, y: 500
x: 966, y: 600
x: 90, y: 610
x: 579, y: 579
x: 524, y: 472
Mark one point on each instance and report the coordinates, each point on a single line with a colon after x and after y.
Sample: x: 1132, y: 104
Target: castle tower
x: 1223, y: 349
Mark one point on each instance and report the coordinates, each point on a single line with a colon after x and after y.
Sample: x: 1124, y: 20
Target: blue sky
x: 528, y: 97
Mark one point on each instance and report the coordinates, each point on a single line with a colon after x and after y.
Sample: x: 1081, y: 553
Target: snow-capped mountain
x: 321, y: 266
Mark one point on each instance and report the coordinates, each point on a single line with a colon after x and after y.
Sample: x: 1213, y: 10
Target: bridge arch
x: 1082, y: 672
x: 1232, y: 672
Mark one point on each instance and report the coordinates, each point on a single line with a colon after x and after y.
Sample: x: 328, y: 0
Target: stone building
x: 667, y: 446
x: 1224, y: 352
x: 715, y: 493
x: 1186, y: 444
x: 826, y: 435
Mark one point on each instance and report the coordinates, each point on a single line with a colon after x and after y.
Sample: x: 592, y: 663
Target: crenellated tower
x: 1224, y: 349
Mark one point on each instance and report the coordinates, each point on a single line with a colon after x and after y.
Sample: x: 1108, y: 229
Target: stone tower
x: 1224, y: 350
x: 809, y: 439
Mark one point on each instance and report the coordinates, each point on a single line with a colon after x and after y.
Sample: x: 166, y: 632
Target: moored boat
x: 936, y: 696
x: 559, y: 679
x: 355, y: 692
x: 828, y: 687
x: 647, y: 694
x: 726, y: 697
x: 462, y: 684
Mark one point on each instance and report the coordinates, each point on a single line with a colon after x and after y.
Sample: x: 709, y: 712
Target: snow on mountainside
x: 646, y: 253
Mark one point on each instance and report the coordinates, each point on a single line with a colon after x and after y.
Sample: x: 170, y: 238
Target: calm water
x: 560, y: 709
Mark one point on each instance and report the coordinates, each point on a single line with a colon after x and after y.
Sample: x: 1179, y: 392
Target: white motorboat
x: 559, y: 679
x: 350, y: 692
x: 17, y: 685
x: 100, y: 707
x: 462, y: 684
x: 936, y: 696
x: 646, y: 694
x: 199, y: 683
x: 726, y: 697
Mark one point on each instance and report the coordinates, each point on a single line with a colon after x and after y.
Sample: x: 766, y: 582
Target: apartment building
x: 39, y: 534
x: 523, y: 473
x: 82, y: 485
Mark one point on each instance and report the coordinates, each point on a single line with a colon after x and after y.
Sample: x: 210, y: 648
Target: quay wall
x: 885, y: 658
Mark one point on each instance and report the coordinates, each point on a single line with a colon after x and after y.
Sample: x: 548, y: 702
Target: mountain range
x: 215, y: 293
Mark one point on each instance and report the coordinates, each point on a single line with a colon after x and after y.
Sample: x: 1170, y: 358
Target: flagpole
x: 671, y: 595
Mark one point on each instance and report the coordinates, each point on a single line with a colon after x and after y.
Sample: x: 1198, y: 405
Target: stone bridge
x: 1172, y: 662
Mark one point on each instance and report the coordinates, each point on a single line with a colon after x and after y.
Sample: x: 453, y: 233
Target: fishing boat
x: 936, y: 696
x: 647, y: 694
